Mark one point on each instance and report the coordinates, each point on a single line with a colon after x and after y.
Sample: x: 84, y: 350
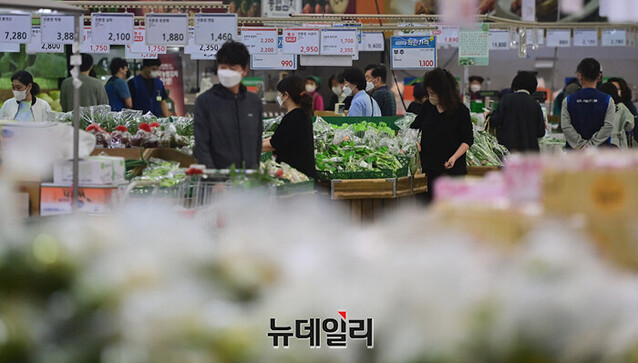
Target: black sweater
x: 294, y: 143
x: 519, y: 122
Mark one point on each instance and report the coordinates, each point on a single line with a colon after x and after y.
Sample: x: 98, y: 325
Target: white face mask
x: 347, y: 91
x: 369, y: 86
x: 475, y: 88
x: 229, y: 78
x: 434, y: 100
x: 20, y: 95
x: 154, y: 74
x: 337, y: 91
x: 280, y: 101
x: 310, y: 88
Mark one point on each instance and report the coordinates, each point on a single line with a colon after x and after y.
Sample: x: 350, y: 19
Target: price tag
x: 558, y: 38
x: 87, y: 45
x: 58, y: 29
x: 36, y: 45
x: 339, y: 41
x: 260, y: 40
x: 301, y: 41
x: 215, y: 28
x: 614, y: 38
x: 10, y: 47
x: 206, y: 51
x: 282, y: 8
x: 499, y: 39
x: 166, y: 29
x: 204, y: 56
x: 540, y: 34
x: 449, y: 36
x: 114, y: 28
x: 15, y: 28
x: 280, y: 61
x: 372, y: 42
x: 417, y: 52
x: 585, y: 38
x: 145, y: 55
x: 140, y: 45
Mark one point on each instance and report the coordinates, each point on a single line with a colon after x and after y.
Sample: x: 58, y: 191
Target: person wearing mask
x: 347, y: 102
x: 24, y: 105
x: 293, y: 141
x: 116, y: 87
x: 625, y: 94
x: 587, y: 117
x: 363, y: 105
x: 337, y: 93
x: 147, y: 90
x: 518, y: 119
x: 313, y: 83
x: 570, y: 88
x: 446, y: 129
x: 376, y: 76
x: 623, y: 122
x: 92, y: 91
x: 228, y: 119
x: 420, y: 98
x: 476, y: 84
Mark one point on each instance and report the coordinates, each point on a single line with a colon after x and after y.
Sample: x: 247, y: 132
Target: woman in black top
x: 446, y: 129
x: 293, y: 141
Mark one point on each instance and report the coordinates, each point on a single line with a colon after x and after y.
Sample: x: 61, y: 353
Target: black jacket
x: 228, y: 128
x: 519, y: 122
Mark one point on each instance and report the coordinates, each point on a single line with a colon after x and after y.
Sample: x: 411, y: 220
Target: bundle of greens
x: 486, y: 151
x: 165, y: 173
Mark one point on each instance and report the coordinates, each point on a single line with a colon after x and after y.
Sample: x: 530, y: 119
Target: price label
x: 10, y: 47
x: 36, y: 45
x: 416, y: 52
x: 585, y: 38
x: 140, y: 45
x: 279, y: 61
x: 372, y: 42
x: 301, y: 41
x: 540, y: 36
x: 58, y: 29
x: 449, y: 36
x: 339, y: 42
x: 260, y: 40
x: 166, y: 29
x: 614, y: 38
x: 15, y: 28
x: 144, y: 55
x: 204, y: 56
x: 558, y: 38
x: 87, y: 45
x: 215, y: 28
x: 205, y: 51
x: 499, y: 39
x: 115, y: 28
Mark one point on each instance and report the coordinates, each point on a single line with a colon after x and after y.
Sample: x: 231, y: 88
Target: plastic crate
x: 296, y: 188
x: 364, y: 174
x: 404, y: 170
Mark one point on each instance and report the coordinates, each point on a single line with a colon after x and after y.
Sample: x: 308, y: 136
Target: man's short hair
x: 356, y: 77
x: 589, y: 68
x: 525, y: 81
x: 151, y: 63
x: 87, y: 62
x: 379, y: 70
x: 117, y: 64
x: 233, y: 53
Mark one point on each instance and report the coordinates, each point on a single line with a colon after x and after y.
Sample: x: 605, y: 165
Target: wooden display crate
x: 363, y: 189
x: 419, y: 184
x: 481, y: 170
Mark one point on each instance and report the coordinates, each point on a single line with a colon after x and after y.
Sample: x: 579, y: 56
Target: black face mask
x: 128, y: 74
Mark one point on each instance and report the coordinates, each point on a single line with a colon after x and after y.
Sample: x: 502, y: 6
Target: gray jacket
x: 228, y: 128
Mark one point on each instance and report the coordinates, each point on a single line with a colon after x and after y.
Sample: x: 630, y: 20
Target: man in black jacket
x: 228, y: 119
x: 518, y: 119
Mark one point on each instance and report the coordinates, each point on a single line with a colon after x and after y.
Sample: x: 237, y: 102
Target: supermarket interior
x: 458, y: 181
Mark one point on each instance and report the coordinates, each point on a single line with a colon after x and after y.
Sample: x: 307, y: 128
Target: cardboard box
x: 184, y: 160
x: 56, y: 199
x: 32, y: 188
x: 134, y: 153
x: 94, y: 170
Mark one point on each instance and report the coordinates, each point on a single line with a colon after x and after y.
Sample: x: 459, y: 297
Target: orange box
x: 56, y: 199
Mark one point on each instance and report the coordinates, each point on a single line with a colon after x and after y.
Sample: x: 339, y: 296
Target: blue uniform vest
x: 587, y: 109
x: 145, y: 102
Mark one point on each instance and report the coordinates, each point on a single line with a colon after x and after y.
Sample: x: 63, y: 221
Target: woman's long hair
x: 443, y: 83
x: 296, y: 89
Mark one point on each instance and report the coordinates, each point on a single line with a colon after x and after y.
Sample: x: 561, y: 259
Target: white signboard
x: 132, y: 55
x: 197, y: 51
x: 36, y: 45
x: 585, y: 38
x: 9, y: 47
x: 87, y: 45
x: 417, y: 52
x: 15, y: 28
x: 301, y: 41
x: 447, y: 36
x: 57, y: 28
x: 614, y: 38
x: 339, y: 42
x: 260, y: 40
x: 372, y: 42
x: 499, y: 39
x: 558, y: 38
x: 280, y: 8
x: 280, y: 61
x: 140, y: 45
x: 215, y: 28
x: 115, y: 28
x: 166, y: 29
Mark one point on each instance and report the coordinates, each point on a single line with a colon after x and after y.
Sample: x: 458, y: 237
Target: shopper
x: 446, y: 129
x: 92, y: 91
x: 24, y: 105
x: 147, y: 90
x: 625, y: 94
x: 476, y: 84
x: 293, y: 141
x: 623, y: 120
x: 116, y: 87
x: 570, y: 88
x: 362, y: 103
x: 518, y: 119
x: 313, y: 83
x: 337, y: 93
x: 376, y: 76
x: 228, y: 119
x: 348, y: 100
x: 587, y: 117
x: 420, y: 98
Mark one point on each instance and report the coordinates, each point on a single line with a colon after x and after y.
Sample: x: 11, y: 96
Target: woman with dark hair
x: 446, y: 129
x: 519, y: 119
x: 336, y: 86
x: 420, y: 98
x: 625, y: 93
x: 24, y: 106
x: 293, y: 141
x: 623, y: 120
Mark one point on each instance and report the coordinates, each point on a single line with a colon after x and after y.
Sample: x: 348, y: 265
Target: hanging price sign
x: 280, y: 61
x: 140, y: 45
x: 215, y: 28
x: 58, y: 29
x: 207, y: 51
x: 301, y: 41
x: 339, y: 42
x: 499, y: 39
x: 145, y: 55
x: 558, y: 38
x: 449, y: 36
x: 585, y: 38
x: 614, y: 38
x: 87, y: 45
x: 417, y: 52
x: 204, y: 56
x: 10, y: 47
x: 36, y: 45
x: 166, y: 29
x: 260, y: 40
x: 15, y: 28
x: 372, y: 42
x: 114, y: 28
